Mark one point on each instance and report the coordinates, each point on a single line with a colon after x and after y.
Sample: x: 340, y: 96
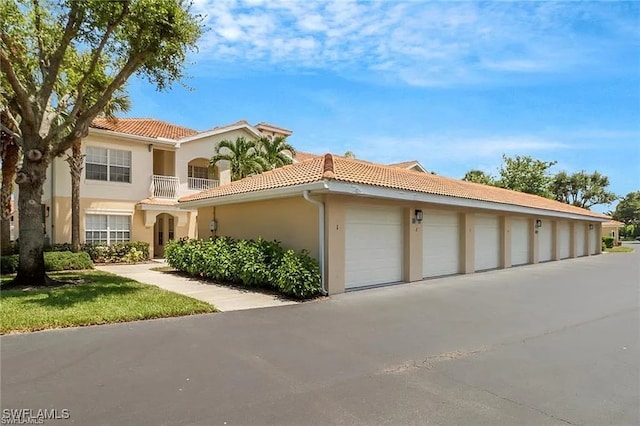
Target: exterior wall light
x: 150, y: 147
x: 417, y: 216
x: 538, y: 223
x: 591, y: 227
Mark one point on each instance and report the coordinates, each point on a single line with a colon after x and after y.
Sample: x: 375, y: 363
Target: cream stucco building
x: 134, y: 172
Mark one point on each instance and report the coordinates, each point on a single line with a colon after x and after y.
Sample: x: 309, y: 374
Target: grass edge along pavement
x: 90, y: 298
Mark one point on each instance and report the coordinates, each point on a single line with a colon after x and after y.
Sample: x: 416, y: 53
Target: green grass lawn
x: 619, y: 249
x: 94, y: 298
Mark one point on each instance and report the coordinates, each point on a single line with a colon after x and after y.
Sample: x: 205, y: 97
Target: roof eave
x: 267, y: 194
x: 398, y: 194
x: 219, y: 131
x: 137, y: 138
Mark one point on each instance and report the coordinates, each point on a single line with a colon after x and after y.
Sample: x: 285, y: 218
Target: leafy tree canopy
x: 61, y: 63
x: 525, y: 174
x: 478, y: 176
x: 582, y: 189
x: 628, y: 209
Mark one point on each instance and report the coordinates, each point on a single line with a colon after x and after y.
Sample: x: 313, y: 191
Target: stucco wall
x: 61, y: 215
x: 292, y: 221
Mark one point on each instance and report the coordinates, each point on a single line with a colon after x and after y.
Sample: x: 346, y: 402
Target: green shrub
x: 9, y: 264
x: 250, y: 263
x: 298, y: 275
x: 65, y: 261
x: 53, y: 261
x: 608, y: 241
x: 129, y: 252
x: 604, y: 246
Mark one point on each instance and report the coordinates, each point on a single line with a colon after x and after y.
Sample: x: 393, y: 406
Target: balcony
x: 200, y: 184
x: 170, y: 187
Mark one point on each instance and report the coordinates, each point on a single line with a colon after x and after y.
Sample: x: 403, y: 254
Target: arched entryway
x: 163, y: 230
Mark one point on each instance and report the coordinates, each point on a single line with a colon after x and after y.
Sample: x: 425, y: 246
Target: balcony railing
x: 199, y: 184
x: 164, y: 187
x: 169, y: 187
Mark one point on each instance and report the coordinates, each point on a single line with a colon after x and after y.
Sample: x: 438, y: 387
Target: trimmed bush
x: 251, y: 263
x: 607, y: 241
x: 129, y: 252
x: 53, y: 261
x: 298, y: 275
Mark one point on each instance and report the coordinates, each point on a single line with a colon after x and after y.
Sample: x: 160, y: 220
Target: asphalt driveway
x: 552, y: 344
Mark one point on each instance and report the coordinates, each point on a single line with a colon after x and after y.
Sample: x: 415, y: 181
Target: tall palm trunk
x: 10, y: 158
x: 75, y: 161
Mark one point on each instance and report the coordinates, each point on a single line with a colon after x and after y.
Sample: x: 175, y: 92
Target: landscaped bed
x: 619, y: 249
x: 92, y: 297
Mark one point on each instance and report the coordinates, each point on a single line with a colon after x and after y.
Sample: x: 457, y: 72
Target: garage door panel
x: 564, y: 236
x: 440, y: 244
x: 520, y: 241
x: 595, y: 240
x: 580, y: 231
x: 487, y: 242
x: 545, y: 241
x: 373, y: 246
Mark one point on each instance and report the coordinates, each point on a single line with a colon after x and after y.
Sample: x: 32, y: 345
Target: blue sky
x: 453, y: 85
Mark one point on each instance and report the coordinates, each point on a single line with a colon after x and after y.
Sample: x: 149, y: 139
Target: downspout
x: 320, y: 205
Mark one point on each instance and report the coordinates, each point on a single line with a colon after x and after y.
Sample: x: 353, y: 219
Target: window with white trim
x: 198, y: 172
x: 107, y: 229
x: 111, y: 165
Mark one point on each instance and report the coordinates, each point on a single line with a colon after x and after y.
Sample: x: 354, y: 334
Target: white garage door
x: 519, y: 241
x: 487, y: 244
x: 595, y: 240
x: 440, y: 243
x: 564, y: 231
x: 373, y: 246
x: 581, y: 237
x: 545, y: 241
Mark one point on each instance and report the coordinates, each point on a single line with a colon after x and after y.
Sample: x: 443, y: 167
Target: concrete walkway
x: 222, y: 297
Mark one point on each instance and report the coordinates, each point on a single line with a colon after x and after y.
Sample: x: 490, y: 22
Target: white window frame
x: 112, y: 157
x: 114, y: 230
x: 192, y: 169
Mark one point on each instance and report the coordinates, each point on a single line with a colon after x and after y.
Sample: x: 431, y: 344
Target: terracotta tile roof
x: 148, y: 127
x: 330, y: 167
x: 613, y: 223
x: 157, y: 202
x: 303, y: 156
x: 224, y: 126
x: 404, y: 164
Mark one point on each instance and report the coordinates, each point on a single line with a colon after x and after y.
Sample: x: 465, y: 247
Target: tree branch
x: 21, y: 93
x: 38, y: 24
x: 95, y: 55
x: 51, y: 75
x: 82, y: 125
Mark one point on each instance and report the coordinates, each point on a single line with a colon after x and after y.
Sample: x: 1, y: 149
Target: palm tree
x: 118, y: 103
x: 273, y: 151
x: 243, y: 155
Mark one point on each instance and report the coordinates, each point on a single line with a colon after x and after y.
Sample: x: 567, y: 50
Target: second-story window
x: 198, y: 172
x: 108, y: 164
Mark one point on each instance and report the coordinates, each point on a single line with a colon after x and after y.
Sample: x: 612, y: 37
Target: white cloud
x: 418, y: 43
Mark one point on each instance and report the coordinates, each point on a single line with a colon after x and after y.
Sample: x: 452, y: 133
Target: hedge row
x: 251, y: 263
x: 129, y: 252
x: 53, y: 261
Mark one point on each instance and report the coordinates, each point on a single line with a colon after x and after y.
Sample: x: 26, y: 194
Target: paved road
x: 555, y: 344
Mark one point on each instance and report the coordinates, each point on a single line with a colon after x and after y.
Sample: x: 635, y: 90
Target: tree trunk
x: 10, y: 157
x: 30, y: 181
x: 75, y: 169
